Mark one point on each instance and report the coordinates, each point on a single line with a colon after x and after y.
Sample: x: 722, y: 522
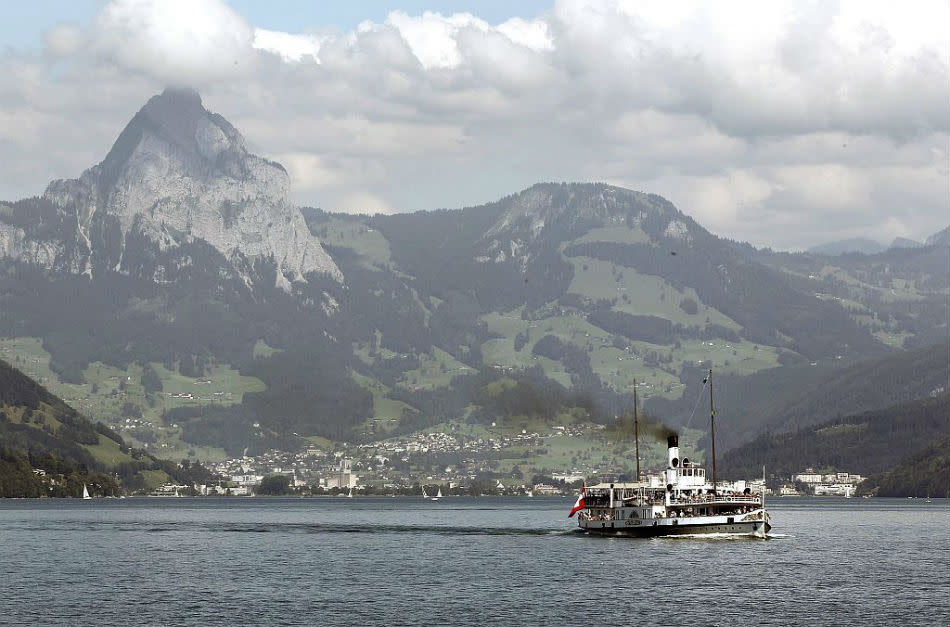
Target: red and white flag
x: 579, y: 504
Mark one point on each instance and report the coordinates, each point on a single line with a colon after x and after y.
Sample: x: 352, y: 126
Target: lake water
x: 461, y: 561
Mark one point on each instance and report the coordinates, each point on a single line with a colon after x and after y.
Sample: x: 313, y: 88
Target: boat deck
x: 713, y: 499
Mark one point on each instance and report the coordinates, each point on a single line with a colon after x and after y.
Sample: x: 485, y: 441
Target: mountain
x: 852, y: 245
x: 799, y: 395
x: 540, y: 245
x: 903, y: 242
x: 176, y: 173
x: 868, y: 385
x: 941, y: 238
x: 923, y: 474
x: 39, y: 432
x: 860, y: 245
x: 901, y: 295
x: 865, y: 443
x: 552, y: 300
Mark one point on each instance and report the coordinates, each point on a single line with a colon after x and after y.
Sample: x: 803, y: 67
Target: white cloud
x: 363, y: 202
x: 431, y: 36
x: 180, y: 41
x: 530, y: 34
x: 287, y: 46
x: 308, y: 172
x: 774, y: 122
x: 838, y: 188
x: 64, y: 40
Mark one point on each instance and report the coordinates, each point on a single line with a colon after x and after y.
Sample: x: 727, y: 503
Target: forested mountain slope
x: 866, y: 443
x: 351, y: 327
x: 923, y: 474
x: 38, y: 431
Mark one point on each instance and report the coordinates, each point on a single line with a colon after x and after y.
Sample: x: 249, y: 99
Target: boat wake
x: 365, y: 528
x: 724, y: 536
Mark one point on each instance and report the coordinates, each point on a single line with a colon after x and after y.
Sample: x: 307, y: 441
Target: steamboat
x: 679, y: 501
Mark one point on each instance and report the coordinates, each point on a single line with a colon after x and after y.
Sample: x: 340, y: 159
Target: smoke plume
x: 649, y: 427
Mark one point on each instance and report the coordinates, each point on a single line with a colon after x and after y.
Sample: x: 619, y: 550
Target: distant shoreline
x: 773, y: 500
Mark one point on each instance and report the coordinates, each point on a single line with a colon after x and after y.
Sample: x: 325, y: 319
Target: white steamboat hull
x: 640, y: 527
x: 678, y: 501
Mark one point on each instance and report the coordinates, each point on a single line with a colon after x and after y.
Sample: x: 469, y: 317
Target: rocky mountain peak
x: 205, y: 143
x: 592, y: 204
x: 941, y: 238
x: 179, y: 172
x: 175, y: 102
x: 175, y: 109
x: 179, y: 116
x: 563, y: 211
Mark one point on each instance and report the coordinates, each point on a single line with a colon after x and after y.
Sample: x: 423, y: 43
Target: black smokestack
x: 672, y: 441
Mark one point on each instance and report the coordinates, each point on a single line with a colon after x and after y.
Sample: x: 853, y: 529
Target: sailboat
x: 424, y: 495
x: 85, y: 493
x: 763, y: 531
x: 349, y: 494
x: 438, y: 495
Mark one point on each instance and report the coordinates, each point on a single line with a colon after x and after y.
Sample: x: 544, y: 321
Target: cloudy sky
x: 780, y: 123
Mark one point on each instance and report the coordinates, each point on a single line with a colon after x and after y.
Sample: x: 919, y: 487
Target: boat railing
x: 749, y: 499
x: 597, y: 515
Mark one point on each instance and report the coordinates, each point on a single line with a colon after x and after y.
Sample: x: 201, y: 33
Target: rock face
x: 560, y: 211
x: 939, y: 239
x: 177, y: 172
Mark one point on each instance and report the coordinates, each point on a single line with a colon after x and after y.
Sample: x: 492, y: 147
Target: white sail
x: 439, y: 494
x: 85, y: 492
x: 424, y: 495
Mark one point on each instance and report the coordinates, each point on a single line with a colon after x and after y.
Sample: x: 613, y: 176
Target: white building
x: 809, y: 476
x: 834, y: 489
x: 247, y: 480
x: 297, y: 481
x: 567, y: 477
x: 344, y: 477
x: 829, y: 484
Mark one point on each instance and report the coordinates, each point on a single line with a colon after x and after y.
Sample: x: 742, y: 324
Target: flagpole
x: 712, y: 429
x: 636, y: 428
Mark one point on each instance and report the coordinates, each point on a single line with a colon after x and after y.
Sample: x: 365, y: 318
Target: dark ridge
x: 924, y: 474
x: 866, y: 443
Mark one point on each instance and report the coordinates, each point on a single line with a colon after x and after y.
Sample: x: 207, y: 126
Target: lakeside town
x: 455, y: 465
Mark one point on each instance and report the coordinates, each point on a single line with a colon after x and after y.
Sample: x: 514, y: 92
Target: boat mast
x: 712, y: 429
x: 636, y: 428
